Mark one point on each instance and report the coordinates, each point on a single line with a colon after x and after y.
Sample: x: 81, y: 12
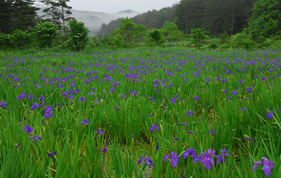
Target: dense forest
x: 215, y: 16
x: 246, y: 23
x: 17, y: 14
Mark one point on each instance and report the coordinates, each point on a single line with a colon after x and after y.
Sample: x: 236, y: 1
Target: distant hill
x: 94, y: 20
x: 151, y: 19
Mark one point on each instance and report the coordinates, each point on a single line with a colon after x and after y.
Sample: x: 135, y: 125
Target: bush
x: 224, y: 38
x: 213, y: 45
x: 45, y: 33
x: 6, y: 41
x: 21, y: 39
x: 155, y: 37
x: 242, y: 40
x: 198, y: 36
x: 78, y: 35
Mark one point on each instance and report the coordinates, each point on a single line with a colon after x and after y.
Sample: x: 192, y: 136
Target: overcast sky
x: 120, y: 5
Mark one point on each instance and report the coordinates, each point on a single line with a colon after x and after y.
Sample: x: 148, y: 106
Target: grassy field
x: 161, y: 112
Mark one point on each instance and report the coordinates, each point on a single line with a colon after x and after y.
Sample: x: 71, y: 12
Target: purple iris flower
x: 223, y: 81
x: 176, y: 139
x: 195, y: 98
x: 249, y: 90
x: 243, y: 109
x: 267, y: 166
x: 87, y: 81
x: 147, y: 161
x: 174, y: 159
x: 34, y: 105
x: 207, y: 80
x: 234, y: 92
x: 28, y: 129
x: 104, y: 149
x: 269, y: 115
x: 3, y: 105
x: 153, y: 127
x: 48, y: 111
x: 112, y: 90
x: 156, y: 81
x: 192, y: 153
x: 82, y: 99
x: 21, y: 96
x: 133, y: 93
x: 51, y: 155
x: 85, y: 121
x: 41, y: 98
x: 172, y: 101
x: 213, y: 132
x: 117, y: 108
x: 99, y: 131
x: 221, y: 155
x: 19, y: 121
x: 206, y: 159
x: 30, y: 97
x: 184, y: 123
x: 249, y: 139
x: 152, y: 99
x: 189, y: 113
x: 122, y: 95
x: 263, y: 79
x: 35, y: 138
x: 224, y: 91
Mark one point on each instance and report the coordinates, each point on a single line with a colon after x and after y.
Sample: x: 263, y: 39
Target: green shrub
x: 21, y: 39
x: 78, y: 35
x: 242, y: 40
x: 6, y: 41
x: 45, y: 33
x: 198, y: 36
x: 155, y: 37
x: 224, y: 38
x: 213, y: 45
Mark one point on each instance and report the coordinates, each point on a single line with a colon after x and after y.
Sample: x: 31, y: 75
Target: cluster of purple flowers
x: 85, y: 121
x: 48, y: 111
x: 267, y: 166
x: 205, y: 158
x: 3, y: 105
x: 153, y: 127
x: 147, y: 161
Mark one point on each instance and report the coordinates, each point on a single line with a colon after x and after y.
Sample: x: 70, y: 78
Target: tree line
x: 215, y: 16
x: 21, y: 27
x: 246, y: 21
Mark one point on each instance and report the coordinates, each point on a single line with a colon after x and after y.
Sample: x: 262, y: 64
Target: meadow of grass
x: 96, y: 114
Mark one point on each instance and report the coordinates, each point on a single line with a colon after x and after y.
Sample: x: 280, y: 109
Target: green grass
x: 126, y: 133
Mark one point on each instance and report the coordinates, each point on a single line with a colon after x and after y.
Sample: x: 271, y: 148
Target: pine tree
x: 57, y: 12
x: 4, y: 16
x: 17, y: 14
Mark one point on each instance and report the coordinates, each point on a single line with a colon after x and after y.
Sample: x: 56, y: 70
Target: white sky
x: 120, y: 5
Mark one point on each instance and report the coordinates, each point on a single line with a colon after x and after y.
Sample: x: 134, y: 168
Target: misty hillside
x: 94, y: 20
